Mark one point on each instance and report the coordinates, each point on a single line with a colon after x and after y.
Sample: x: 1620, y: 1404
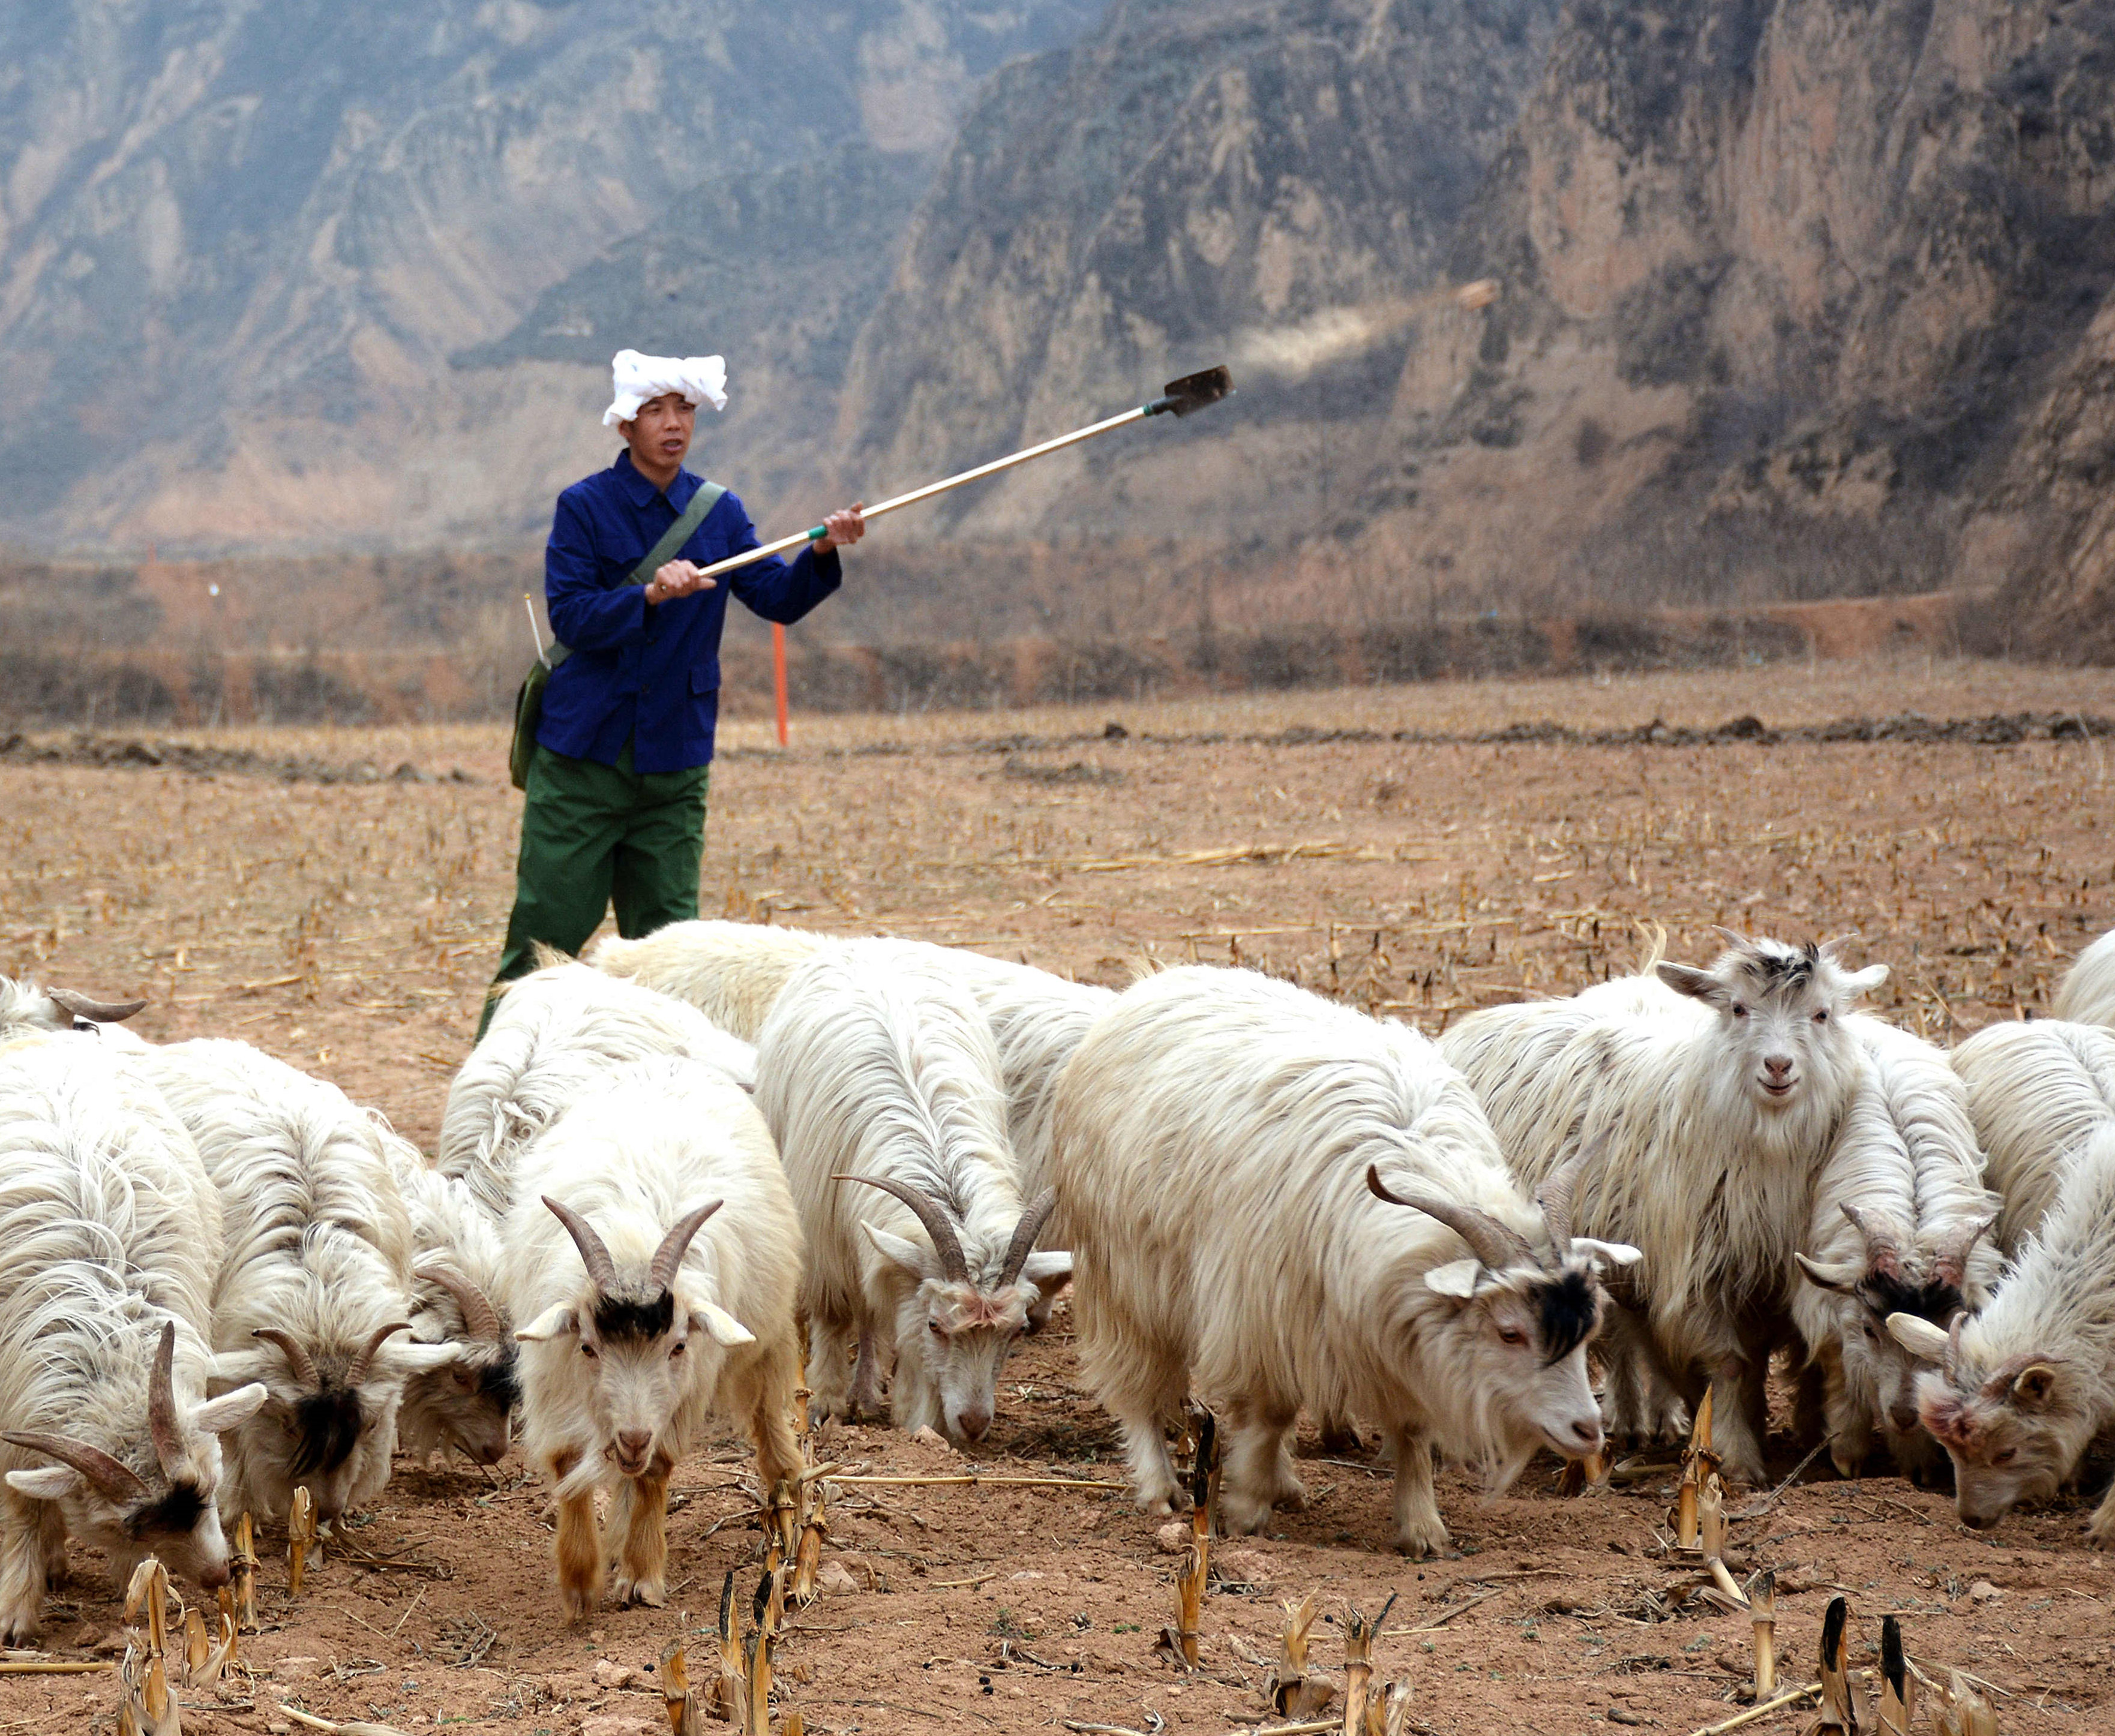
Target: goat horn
x: 945, y: 1242
x: 120, y: 1482
x: 1496, y: 1244
x: 1951, y: 1264
x: 602, y: 1269
x: 480, y: 1319
x: 1953, y: 1344
x: 162, y: 1403
x: 1883, y: 1247
x: 668, y: 1256
x: 1025, y: 1233
x: 366, y: 1360
x: 295, y: 1351
x: 1555, y: 1195
x: 87, y: 1006
x: 1739, y: 942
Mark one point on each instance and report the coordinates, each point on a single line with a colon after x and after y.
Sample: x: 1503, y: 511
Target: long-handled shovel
x: 1179, y: 397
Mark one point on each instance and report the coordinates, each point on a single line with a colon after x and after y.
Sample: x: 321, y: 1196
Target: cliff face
x: 239, y: 242
x: 1129, y: 208
x: 1788, y: 283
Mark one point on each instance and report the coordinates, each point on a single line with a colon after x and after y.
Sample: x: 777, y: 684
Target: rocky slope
x: 239, y: 242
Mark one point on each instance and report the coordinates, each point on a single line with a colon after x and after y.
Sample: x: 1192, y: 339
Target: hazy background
x: 305, y: 314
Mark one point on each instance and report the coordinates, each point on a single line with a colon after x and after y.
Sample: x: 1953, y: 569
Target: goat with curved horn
x: 1497, y: 1245
x: 294, y: 1350
x: 120, y: 1482
x: 162, y: 1425
x: 668, y: 1256
x: 602, y: 1269
x: 363, y: 1363
x: 946, y: 1243
x: 480, y: 1319
x: 1024, y: 1232
x: 87, y: 1006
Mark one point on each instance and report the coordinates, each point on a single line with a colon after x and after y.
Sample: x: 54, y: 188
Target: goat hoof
x: 1421, y: 1544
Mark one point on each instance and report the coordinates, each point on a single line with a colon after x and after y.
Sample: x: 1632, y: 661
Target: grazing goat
x: 1232, y: 1153
x: 467, y: 1404
x: 2036, y: 1092
x: 1716, y: 1130
x: 2023, y: 1387
x: 666, y: 1182
x: 731, y: 972
x: 1900, y: 1222
x: 314, y: 1276
x: 555, y: 1033
x: 25, y: 1008
x: 876, y: 1068
x: 110, y: 1228
x: 2087, y: 995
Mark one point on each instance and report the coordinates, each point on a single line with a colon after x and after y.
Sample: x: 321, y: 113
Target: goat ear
x: 1049, y: 1271
x: 46, y: 1482
x: 901, y: 1251
x: 1607, y: 1253
x: 1859, y: 983
x: 1841, y: 1279
x: 1686, y: 979
x: 231, y: 1410
x: 1456, y: 1278
x: 2034, y: 1387
x: 725, y: 1330
x: 1919, y: 1336
x: 553, y: 1322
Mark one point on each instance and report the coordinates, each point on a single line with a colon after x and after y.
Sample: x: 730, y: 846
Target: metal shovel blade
x: 1192, y: 392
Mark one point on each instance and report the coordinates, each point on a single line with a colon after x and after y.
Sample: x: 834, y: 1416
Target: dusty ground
x: 350, y: 928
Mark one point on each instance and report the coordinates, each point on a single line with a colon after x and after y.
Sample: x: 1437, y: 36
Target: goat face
x: 1515, y: 1346
x: 640, y: 1357
x: 1781, y: 1011
x: 1875, y: 1364
x: 328, y: 1421
x: 160, y: 1502
x: 954, y: 1334
x: 465, y: 1404
x: 2013, y: 1436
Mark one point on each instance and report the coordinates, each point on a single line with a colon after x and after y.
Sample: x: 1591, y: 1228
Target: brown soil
x: 349, y: 927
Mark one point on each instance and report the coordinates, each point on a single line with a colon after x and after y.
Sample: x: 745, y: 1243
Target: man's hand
x: 677, y: 578
x: 842, y: 529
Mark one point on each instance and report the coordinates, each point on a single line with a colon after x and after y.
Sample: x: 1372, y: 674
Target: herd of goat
x: 221, y: 1279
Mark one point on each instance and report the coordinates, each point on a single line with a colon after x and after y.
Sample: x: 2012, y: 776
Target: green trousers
x: 592, y: 834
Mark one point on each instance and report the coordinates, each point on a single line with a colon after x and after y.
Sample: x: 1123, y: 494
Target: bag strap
x: 707, y: 497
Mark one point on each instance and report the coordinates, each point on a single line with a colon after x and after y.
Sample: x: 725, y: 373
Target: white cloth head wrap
x: 637, y: 377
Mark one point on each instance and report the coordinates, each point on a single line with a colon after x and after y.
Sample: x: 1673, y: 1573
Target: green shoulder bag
x: 529, y: 698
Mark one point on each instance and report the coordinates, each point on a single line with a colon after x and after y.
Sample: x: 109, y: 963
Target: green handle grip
x: 819, y: 532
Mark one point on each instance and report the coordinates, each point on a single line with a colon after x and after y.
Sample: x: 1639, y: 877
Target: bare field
x: 350, y: 929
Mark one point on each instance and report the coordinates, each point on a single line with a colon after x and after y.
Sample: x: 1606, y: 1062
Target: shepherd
x: 616, y: 783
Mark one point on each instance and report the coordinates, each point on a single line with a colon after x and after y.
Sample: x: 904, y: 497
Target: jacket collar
x: 640, y: 490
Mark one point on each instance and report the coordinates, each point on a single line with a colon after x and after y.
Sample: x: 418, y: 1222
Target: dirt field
x: 349, y: 927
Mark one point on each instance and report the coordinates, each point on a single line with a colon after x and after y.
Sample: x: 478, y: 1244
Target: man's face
x: 659, y: 435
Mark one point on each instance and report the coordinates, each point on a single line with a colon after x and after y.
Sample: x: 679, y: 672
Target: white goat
x: 467, y: 1403
x: 1232, y: 1152
x: 111, y: 1229
x: 2036, y: 1092
x: 731, y: 972
x: 555, y: 1033
x: 2023, y: 1387
x: 1715, y: 1129
x: 877, y: 1067
x: 667, y: 1184
x: 314, y: 1277
x: 1899, y: 1225
x: 2087, y: 995
x: 24, y: 1008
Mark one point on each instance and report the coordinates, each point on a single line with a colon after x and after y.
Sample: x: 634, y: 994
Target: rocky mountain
x: 239, y: 241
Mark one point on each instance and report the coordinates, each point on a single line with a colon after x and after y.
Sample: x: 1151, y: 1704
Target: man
x: 616, y: 807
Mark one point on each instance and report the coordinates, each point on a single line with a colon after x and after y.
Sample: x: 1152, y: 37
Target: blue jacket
x: 650, y: 675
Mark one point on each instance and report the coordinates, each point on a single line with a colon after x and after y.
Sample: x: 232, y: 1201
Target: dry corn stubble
x: 1528, y: 867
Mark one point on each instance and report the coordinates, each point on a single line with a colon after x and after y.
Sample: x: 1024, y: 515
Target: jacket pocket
x: 706, y: 678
